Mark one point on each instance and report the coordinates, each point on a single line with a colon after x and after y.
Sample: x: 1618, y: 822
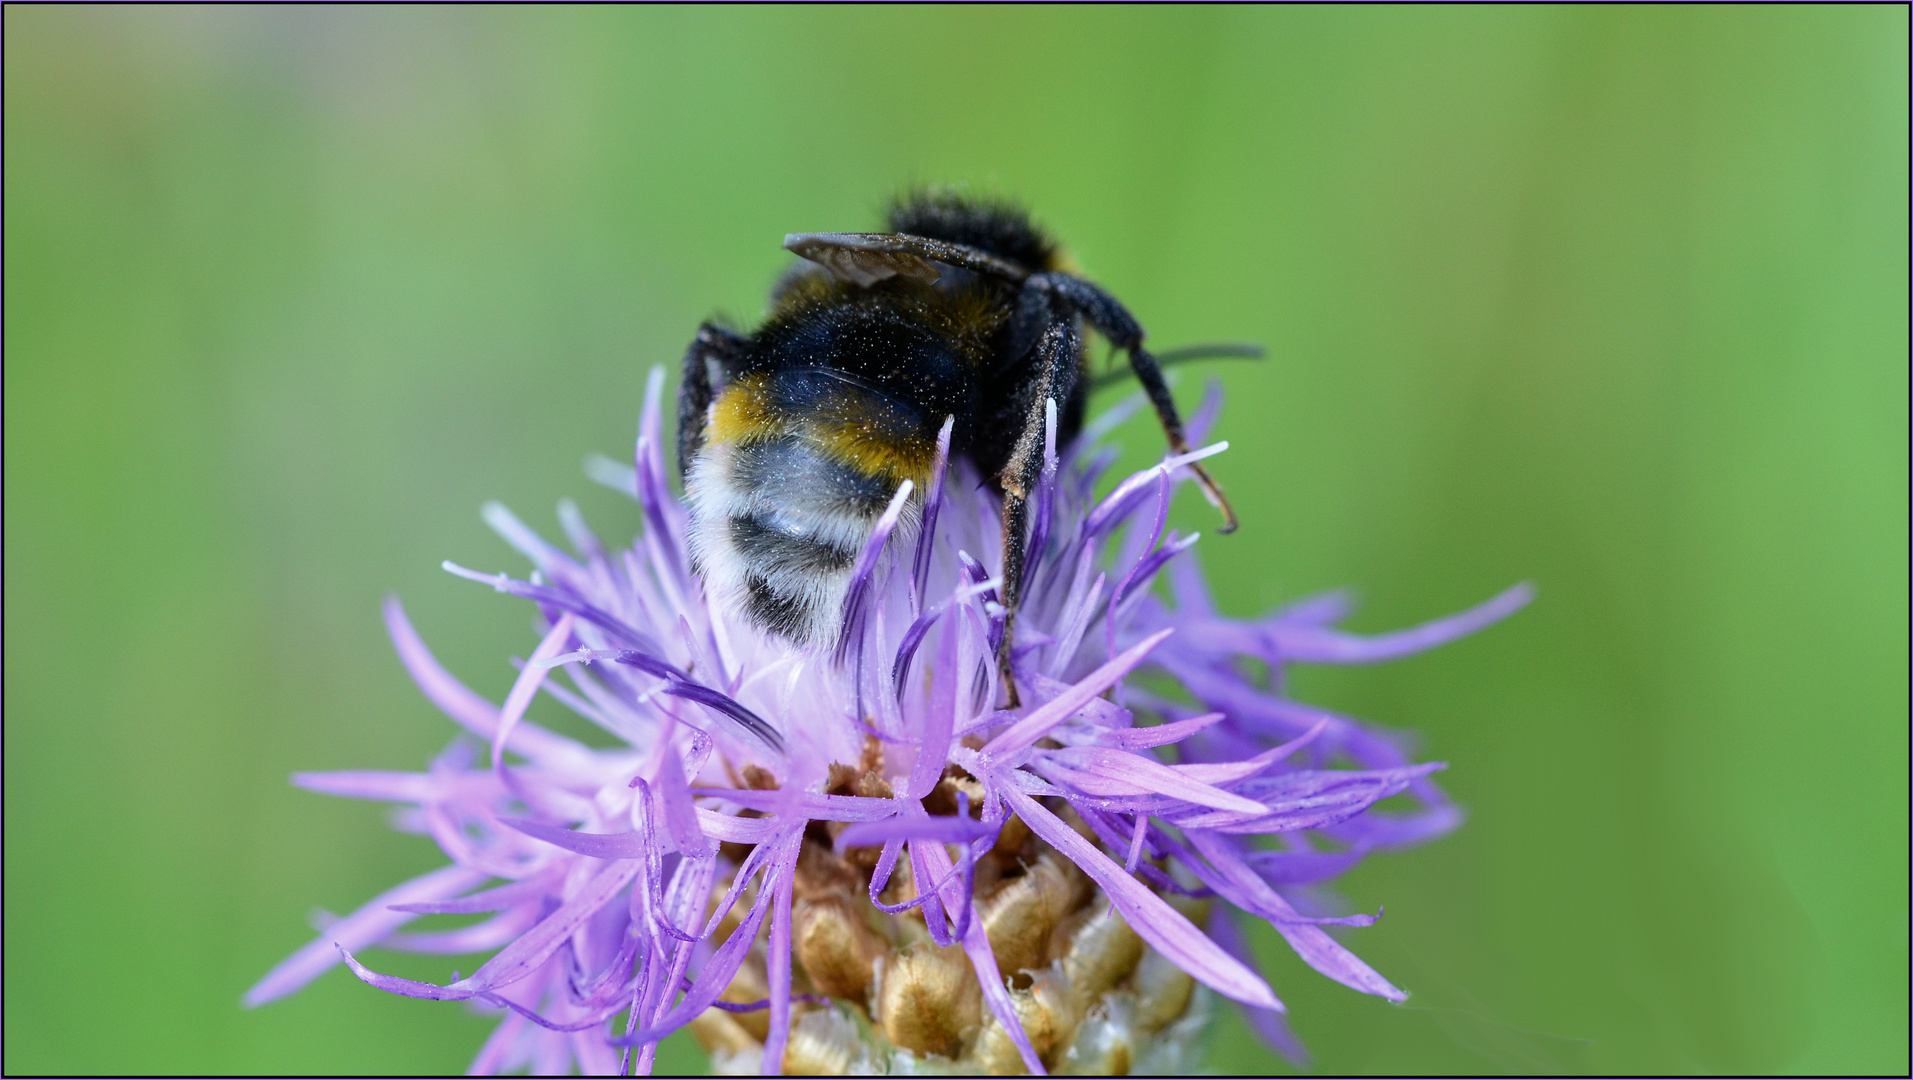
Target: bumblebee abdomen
x: 794, y: 479
x: 840, y: 417
x: 787, y: 488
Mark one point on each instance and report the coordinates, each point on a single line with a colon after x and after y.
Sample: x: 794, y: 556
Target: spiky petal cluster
x: 602, y: 862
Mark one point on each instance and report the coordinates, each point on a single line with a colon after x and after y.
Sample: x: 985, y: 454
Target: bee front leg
x: 708, y: 363
x: 1058, y: 355
x: 1113, y: 320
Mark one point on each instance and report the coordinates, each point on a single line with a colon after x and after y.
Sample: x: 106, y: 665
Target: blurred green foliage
x: 1610, y: 299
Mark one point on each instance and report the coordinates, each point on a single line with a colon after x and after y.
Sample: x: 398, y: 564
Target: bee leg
x: 1149, y: 373
x: 1058, y: 355
x: 1115, y: 322
x: 707, y: 368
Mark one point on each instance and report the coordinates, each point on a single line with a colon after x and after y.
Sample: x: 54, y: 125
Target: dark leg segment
x: 707, y: 369
x: 1116, y: 323
x: 1058, y: 355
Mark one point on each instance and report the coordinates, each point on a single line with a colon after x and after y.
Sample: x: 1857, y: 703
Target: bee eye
x: 927, y: 997
x: 1047, y: 1011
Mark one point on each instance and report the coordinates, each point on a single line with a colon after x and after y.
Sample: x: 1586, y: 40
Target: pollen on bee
x: 742, y: 412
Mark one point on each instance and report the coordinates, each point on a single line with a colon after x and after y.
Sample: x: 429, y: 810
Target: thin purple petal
x: 728, y: 707
x: 950, y: 830
x: 940, y: 718
x: 620, y: 845
x: 497, y: 899
x: 932, y: 504
x: 366, y: 784
x: 1310, y: 942
x: 777, y: 967
x: 1269, y: 1025
x: 477, y: 715
x: 392, y: 984
x: 526, y: 687
x: 371, y: 922
x: 1097, y: 770
x: 1039, y: 722
x: 518, y: 959
x: 1161, y: 734
x: 1323, y: 646
x: 1162, y: 926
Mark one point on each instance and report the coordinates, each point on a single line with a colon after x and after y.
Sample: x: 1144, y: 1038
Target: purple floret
x: 595, y: 867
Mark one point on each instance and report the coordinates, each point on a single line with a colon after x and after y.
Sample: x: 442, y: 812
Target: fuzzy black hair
x: 997, y: 226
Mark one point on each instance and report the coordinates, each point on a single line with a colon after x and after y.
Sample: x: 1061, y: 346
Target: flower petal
x: 680, y: 814
x: 777, y: 970
x: 1161, y: 734
x: 950, y: 830
x: 1310, y: 942
x: 392, y: 984
x: 1162, y: 926
x: 730, y: 956
x: 865, y: 566
x: 497, y: 899
x: 1040, y: 720
x: 727, y: 706
x: 367, y: 784
x: 521, y: 957
x: 737, y: 830
x: 371, y: 922
x: 478, y: 937
x: 1320, y: 645
x: 619, y: 845
x: 477, y: 715
x: 525, y: 687
x: 1099, y: 770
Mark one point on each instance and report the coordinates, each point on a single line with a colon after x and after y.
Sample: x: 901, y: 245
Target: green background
x: 1614, y: 300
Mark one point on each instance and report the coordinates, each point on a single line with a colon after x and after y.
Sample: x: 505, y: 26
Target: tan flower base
x: 1092, y: 998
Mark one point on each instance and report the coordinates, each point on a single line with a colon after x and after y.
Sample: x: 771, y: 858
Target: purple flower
x: 832, y: 854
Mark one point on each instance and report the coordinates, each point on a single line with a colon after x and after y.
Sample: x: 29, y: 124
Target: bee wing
x: 861, y: 258
x: 867, y: 258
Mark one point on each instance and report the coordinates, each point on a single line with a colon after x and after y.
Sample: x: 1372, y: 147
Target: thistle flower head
x: 852, y: 858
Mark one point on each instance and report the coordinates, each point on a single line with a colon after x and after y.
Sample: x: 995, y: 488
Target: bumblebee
x: 793, y: 439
